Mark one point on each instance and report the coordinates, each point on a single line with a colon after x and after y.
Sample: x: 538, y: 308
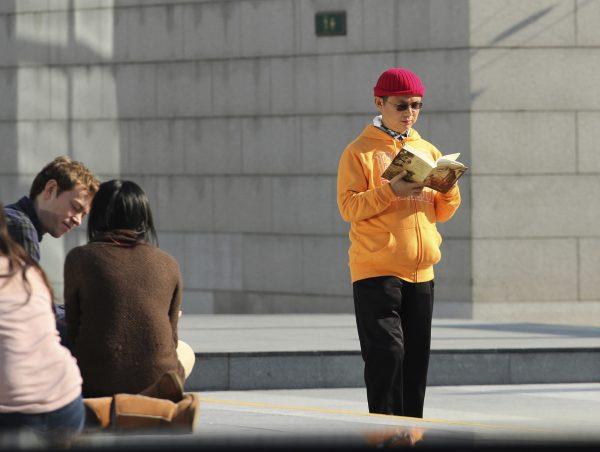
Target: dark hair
x: 121, y: 205
x: 18, y: 258
x: 67, y: 173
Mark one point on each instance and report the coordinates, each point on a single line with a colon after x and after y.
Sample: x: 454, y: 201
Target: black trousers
x: 393, y: 318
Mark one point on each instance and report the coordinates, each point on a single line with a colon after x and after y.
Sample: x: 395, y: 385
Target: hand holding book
x: 441, y: 175
x: 402, y: 187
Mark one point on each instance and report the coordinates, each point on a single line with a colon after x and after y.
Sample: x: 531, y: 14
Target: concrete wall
x: 535, y: 121
x: 232, y: 115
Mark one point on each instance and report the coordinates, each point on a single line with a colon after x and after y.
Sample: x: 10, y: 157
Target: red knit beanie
x: 399, y: 81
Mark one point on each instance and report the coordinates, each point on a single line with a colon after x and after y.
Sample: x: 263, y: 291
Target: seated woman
x: 122, y: 297
x: 40, y: 384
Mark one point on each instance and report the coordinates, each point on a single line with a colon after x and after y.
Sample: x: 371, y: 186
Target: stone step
x: 322, y: 351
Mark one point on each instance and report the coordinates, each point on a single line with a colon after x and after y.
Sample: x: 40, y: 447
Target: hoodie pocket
x: 431, y: 241
x: 372, y: 246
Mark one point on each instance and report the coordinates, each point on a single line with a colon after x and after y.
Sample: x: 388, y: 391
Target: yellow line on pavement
x: 275, y: 406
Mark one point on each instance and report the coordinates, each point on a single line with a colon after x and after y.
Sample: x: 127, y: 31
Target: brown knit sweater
x: 122, y: 305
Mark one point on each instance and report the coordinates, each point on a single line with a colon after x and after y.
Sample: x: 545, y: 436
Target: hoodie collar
x: 373, y: 132
x: 378, y: 122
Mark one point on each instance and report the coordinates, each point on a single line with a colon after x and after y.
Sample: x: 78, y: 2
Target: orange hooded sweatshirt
x: 389, y: 235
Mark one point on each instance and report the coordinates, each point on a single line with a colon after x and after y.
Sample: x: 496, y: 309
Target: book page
x: 449, y: 160
x: 443, y: 163
x: 414, y: 165
x: 452, y: 157
x: 423, y: 155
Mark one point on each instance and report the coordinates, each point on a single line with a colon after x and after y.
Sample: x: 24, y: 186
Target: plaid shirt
x: 24, y: 226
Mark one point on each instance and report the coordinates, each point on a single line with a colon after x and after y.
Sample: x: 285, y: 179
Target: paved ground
x: 570, y: 411
x: 468, y: 416
x: 459, y: 416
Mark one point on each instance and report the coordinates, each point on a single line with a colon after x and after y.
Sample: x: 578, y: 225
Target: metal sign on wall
x: 330, y: 23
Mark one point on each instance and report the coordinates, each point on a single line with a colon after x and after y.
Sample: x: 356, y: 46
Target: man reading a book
x: 394, y: 246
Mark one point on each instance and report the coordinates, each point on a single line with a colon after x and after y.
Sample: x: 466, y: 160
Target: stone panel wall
x: 232, y: 114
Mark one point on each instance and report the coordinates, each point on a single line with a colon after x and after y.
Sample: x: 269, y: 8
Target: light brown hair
x: 67, y: 173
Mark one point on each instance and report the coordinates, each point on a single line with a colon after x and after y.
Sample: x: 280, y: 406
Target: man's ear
x: 51, y: 188
x: 378, y: 102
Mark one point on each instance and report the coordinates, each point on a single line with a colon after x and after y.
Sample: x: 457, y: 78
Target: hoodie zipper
x: 418, y: 230
x: 419, y: 242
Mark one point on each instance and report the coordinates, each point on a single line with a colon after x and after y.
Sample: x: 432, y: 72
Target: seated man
x: 59, y: 199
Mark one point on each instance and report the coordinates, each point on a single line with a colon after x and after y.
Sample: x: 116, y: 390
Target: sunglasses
x: 404, y: 106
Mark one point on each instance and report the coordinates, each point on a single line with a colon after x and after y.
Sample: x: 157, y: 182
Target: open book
x: 439, y: 175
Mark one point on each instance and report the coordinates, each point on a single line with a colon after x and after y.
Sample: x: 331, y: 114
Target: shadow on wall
x: 44, y: 100
x: 520, y: 25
